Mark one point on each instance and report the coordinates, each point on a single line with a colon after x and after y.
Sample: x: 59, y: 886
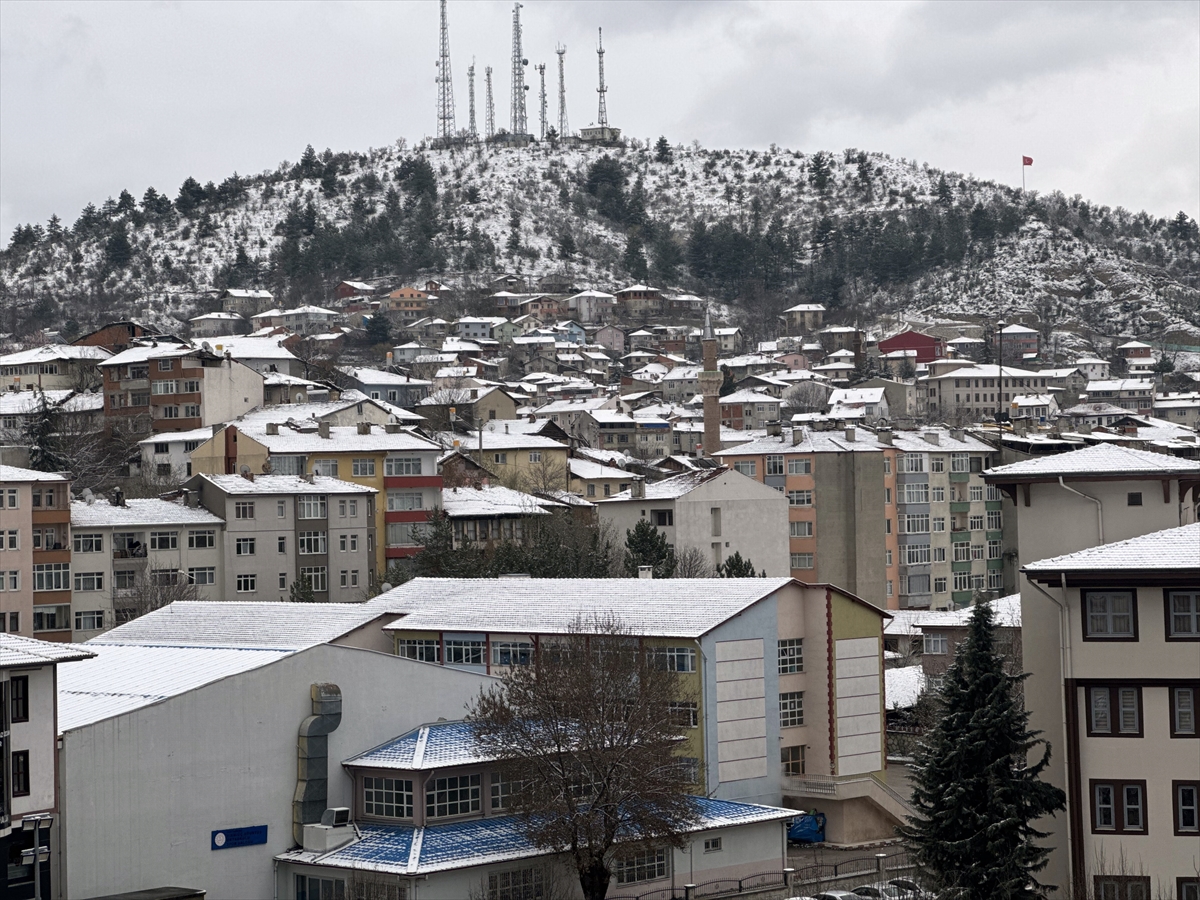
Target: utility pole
x: 490, y: 112
x: 541, y: 70
x: 519, y: 121
x: 563, y: 130
x: 445, y: 111
x: 471, y: 132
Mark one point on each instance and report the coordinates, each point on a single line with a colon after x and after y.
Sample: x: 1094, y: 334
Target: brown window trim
x: 1133, y: 610
x: 1114, y: 712
x: 1122, y: 881
x: 1175, y: 786
x: 1119, y: 786
x: 1186, y: 881
x: 24, y: 698
x: 16, y: 755
x: 1195, y: 732
x: 1167, y: 618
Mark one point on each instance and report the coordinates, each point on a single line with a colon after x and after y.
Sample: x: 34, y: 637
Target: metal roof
x: 1173, y: 550
x: 428, y: 747
x: 22, y: 651
x: 672, y: 607
x: 15, y: 474
x: 286, y: 484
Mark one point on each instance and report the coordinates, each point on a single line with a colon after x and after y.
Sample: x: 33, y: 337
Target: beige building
x: 52, y: 367
x: 35, y: 554
x: 717, y: 511
x: 1120, y: 680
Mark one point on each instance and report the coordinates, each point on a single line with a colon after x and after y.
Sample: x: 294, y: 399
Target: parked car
x: 913, y: 890
x: 881, y: 891
x: 836, y: 895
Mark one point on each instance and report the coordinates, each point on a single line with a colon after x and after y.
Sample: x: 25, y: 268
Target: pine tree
x: 301, y: 591
x: 379, y: 329
x: 40, y: 432
x: 975, y: 792
x: 645, y: 545
x: 736, y: 567
x: 634, y: 259
x: 662, y: 151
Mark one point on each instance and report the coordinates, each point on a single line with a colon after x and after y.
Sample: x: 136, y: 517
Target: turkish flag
x: 1027, y: 160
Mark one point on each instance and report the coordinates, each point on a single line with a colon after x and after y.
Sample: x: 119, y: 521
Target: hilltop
x: 864, y: 233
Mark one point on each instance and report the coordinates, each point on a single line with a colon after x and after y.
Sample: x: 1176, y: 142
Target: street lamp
x: 37, y: 854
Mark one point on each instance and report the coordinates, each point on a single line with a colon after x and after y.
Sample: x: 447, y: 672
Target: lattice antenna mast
x: 602, y: 116
x: 520, y: 122
x: 445, y: 110
x: 562, y: 92
x: 471, y: 132
x: 490, y: 114
x: 541, y: 69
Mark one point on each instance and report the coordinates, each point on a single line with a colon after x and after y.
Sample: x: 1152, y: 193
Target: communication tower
x: 541, y: 70
x: 602, y: 116
x: 519, y: 123
x: 471, y: 132
x: 563, y: 130
x: 445, y: 110
x: 490, y: 113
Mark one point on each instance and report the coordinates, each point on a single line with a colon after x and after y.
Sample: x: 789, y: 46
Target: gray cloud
x: 96, y: 97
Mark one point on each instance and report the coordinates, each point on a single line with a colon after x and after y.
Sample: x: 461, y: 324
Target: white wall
x: 37, y: 736
x: 230, y: 390
x: 143, y: 792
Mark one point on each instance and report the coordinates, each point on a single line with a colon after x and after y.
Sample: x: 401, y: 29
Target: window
x: 791, y: 655
x: 916, y: 524
x: 1122, y: 887
x: 521, y: 884
x: 960, y: 462
x: 89, y: 581
x: 164, y: 540
x: 363, y: 468
x: 422, y: 650
x: 936, y: 644
x: 89, y: 620
x: 662, y: 518
x: 1115, y: 711
x: 994, y: 549
x: 326, y: 467
x: 315, y: 888
x: 800, y: 498
x: 915, y: 493
x: 464, y: 653
x: 1118, y: 806
x: 165, y: 365
x: 887, y: 465
x: 887, y: 526
x: 792, y: 759
x: 791, y: 708
x: 170, y: 412
x: 191, y: 410
x: 962, y: 581
x: 86, y: 543
x: 202, y: 540
x: 163, y: 387
x: 247, y: 584
x: 1186, y: 798
x: 775, y: 465
x: 308, y: 542
x: 1110, y: 615
x: 311, y: 506
x: 746, y: 466
x: 917, y: 584
x: 939, y: 585
x: 889, y: 588
x: 402, y: 501
x: 244, y: 546
x: 14, y: 539
x: 191, y: 387
x: 1133, y: 498
x: 243, y: 509
x: 202, y: 575
x: 457, y: 795
x: 938, y: 524
x: 1183, y: 711
x: 976, y: 492
x: 683, y: 713
x: 280, y: 509
x: 937, y: 464
x: 52, y: 618
x: 938, y: 494
x: 20, y: 773
x: 511, y: 653
x: 18, y: 692
x: 916, y: 554
x: 645, y: 865
x: 1183, y: 615
x: 962, y: 551
x: 912, y: 462
x: 802, y: 560
x: 391, y: 798
x: 995, y: 581
x: 52, y: 577
x: 501, y: 792
x: 317, y: 576
x: 802, y: 466
x: 995, y: 520
x: 673, y: 659
x: 976, y: 523
x: 800, y: 529
x: 977, y: 551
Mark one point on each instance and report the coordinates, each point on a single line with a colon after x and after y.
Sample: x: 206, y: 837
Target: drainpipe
x: 1066, y: 670
x: 1099, y: 507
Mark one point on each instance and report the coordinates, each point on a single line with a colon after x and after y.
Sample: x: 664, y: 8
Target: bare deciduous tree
x: 692, y: 563
x: 589, y: 734
x: 152, y: 590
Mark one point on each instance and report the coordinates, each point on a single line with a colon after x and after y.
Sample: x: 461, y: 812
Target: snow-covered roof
x: 342, y: 438
x: 1175, y: 549
x: 22, y: 403
x: 53, y: 352
x: 864, y: 441
x: 1033, y: 400
x: 173, y: 437
x: 378, y: 376
x: 217, y: 317
x: 647, y: 607
x: 588, y: 470
x: 805, y: 307
x: 310, y: 310
x: 139, y: 513
x: 671, y: 488
x: 1091, y: 361
x: 1102, y: 459
x: 575, y: 404
x: 143, y: 352
x: 966, y: 340
x: 22, y: 651
x: 1119, y: 384
x: 14, y: 474
x: 903, y: 686
x: 856, y: 396
x: 359, y: 285
x: 1095, y: 409
x: 749, y: 396
x: 438, y: 745
x: 487, y: 501
x: 984, y: 371
x: 500, y: 440
x: 247, y: 294
x: 1133, y: 345
x: 286, y: 484
x: 1017, y: 329
x: 409, y: 850
x: 252, y: 347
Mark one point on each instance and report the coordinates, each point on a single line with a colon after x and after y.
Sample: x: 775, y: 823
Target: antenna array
x: 490, y: 115
x: 541, y: 69
x: 520, y: 124
x: 563, y: 130
x: 445, y: 108
x: 602, y: 116
x: 471, y: 132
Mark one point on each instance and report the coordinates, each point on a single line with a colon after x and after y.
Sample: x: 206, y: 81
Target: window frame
x: 18, y: 699
x: 1114, y: 711
x: 1118, y: 787
x: 791, y: 703
x: 400, y: 788
x: 1085, y: 615
x: 1177, y: 807
x: 1172, y: 710
x: 1168, y: 616
x: 20, y: 763
x: 1121, y: 882
x: 790, y: 656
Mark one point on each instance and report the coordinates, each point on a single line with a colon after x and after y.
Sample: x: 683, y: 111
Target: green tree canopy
x: 645, y: 545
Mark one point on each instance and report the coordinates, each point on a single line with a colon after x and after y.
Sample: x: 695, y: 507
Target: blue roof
x: 407, y: 850
x: 428, y: 747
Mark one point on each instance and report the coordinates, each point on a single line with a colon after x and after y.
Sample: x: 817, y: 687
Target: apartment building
x: 785, y: 679
x: 35, y: 554
x: 51, y: 367
x: 1182, y: 408
x: 840, y: 487
x: 1133, y: 394
x: 1114, y: 647
x: 168, y: 454
x: 975, y: 391
x: 127, y: 554
x: 805, y: 318
x: 639, y: 300
x: 749, y: 410
x: 718, y: 511
x: 177, y: 387
x: 593, y: 480
x: 280, y: 529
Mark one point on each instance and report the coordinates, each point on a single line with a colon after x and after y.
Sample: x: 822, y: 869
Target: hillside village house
x: 1139, y: 358
x: 749, y: 410
x: 484, y: 515
x: 805, y: 318
x: 525, y: 461
x: 51, y: 367
x: 785, y: 678
x: 245, y: 303
x: 35, y: 554
x: 1015, y: 342
x: 974, y: 391
x: 639, y: 300
x: 217, y: 324
x: 1134, y: 394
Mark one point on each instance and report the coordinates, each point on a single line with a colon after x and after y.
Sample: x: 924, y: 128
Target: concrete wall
x: 849, y: 527
x: 19, y: 560
x: 229, y: 391
x: 143, y: 792
x: 37, y: 736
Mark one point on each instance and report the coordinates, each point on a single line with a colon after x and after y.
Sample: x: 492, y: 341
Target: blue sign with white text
x: 239, y: 837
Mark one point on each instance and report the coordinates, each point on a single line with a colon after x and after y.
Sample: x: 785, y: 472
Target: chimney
x: 312, y: 748
x: 797, y: 435
x: 118, y: 497
x: 192, y: 499
x: 364, y: 427
x: 645, y: 571
x: 884, y: 435
x: 272, y: 428
x: 323, y: 429
x: 392, y: 427
x: 932, y: 437
x: 850, y: 432
x: 774, y: 428
x: 637, y: 488
x: 958, y: 434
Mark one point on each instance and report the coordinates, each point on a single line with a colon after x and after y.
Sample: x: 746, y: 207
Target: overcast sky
x: 100, y: 96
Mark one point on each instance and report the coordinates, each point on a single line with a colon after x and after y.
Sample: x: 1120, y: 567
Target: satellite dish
x: 245, y: 469
x: 206, y: 346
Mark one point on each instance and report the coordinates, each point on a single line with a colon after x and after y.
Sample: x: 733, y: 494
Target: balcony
x: 960, y: 506
x: 135, y: 384
x: 56, y: 554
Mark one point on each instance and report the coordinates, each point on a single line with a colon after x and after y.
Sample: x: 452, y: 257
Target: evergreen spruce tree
x: 645, y: 545
x: 40, y: 432
x: 737, y: 567
x: 662, y: 150
x: 634, y: 259
x: 976, y: 790
x: 301, y: 591
x: 379, y: 329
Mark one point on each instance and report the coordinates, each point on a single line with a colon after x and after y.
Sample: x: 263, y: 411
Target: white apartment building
x: 1133, y: 394
x: 168, y: 454
x: 128, y: 552
x: 976, y: 391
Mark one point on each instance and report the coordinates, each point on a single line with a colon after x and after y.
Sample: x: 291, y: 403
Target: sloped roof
x: 139, y: 512
x: 492, y: 500
x: 648, y: 607
x: 16, y: 473
x: 51, y: 352
x: 428, y: 747
x: 1101, y: 459
x: 747, y: 396
x: 672, y: 488
x: 1175, y: 549
x: 287, y: 484
x: 22, y: 651
x: 903, y: 686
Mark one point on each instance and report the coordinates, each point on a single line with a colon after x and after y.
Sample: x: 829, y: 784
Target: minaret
x: 710, y: 388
